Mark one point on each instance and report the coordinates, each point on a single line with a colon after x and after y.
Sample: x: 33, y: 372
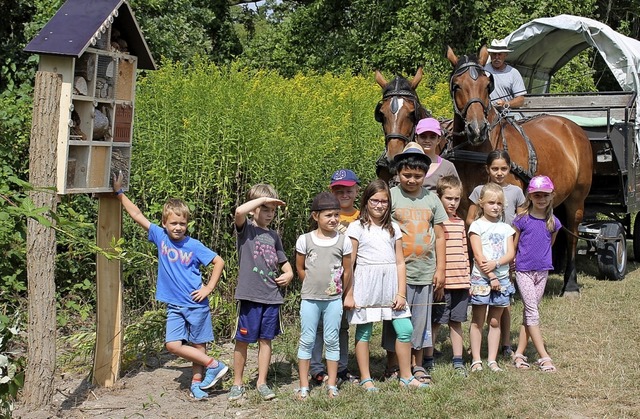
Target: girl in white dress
x: 379, y: 287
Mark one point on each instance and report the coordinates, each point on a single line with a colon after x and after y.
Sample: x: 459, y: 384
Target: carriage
x: 610, y: 120
x: 587, y: 142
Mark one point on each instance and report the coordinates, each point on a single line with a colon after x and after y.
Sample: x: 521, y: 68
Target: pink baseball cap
x: 428, y: 125
x: 540, y: 184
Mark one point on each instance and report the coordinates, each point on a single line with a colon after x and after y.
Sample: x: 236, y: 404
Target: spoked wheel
x: 612, y: 254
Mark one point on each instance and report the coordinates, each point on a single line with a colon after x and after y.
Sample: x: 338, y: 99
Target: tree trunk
x: 41, y: 244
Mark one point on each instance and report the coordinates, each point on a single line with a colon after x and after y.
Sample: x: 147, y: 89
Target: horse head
x: 399, y: 111
x: 470, y: 86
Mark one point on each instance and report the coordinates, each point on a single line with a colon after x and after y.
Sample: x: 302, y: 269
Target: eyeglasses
x: 375, y: 202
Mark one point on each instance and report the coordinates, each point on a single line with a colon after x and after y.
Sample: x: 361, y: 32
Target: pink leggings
x: 531, y: 286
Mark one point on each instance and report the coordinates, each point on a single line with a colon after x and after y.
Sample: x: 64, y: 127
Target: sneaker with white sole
x: 235, y: 393
x: 197, y: 393
x: 265, y: 392
x: 213, y: 375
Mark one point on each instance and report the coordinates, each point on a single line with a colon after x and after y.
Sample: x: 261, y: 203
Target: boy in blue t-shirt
x: 180, y: 286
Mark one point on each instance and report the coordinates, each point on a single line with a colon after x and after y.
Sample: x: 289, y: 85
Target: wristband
x: 403, y: 296
x: 119, y: 192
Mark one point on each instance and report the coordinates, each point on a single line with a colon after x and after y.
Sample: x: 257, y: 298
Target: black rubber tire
x: 612, y: 255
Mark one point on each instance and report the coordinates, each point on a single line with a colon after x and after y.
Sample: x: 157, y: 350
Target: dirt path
x: 161, y: 391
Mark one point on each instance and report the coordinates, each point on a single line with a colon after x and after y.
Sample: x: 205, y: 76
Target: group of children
x: 400, y: 259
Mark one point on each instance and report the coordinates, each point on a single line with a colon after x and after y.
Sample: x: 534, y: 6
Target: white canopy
x: 542, y: 46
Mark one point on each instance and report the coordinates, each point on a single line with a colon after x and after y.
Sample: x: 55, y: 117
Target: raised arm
x: 131, y: 208
x: 245, y: 209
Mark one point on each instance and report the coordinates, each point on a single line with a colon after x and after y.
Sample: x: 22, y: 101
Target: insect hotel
x: 97, y: 47
x: 91, y: 50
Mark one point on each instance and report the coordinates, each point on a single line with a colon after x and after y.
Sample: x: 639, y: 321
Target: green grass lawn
x: 594, y: 341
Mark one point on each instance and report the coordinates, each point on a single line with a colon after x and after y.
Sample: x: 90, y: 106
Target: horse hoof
x: 571, y: 295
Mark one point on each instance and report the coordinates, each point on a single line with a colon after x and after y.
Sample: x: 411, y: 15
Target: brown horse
x: 549, y: 145
x: 399, y: 111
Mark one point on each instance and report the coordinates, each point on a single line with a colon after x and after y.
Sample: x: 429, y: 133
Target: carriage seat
x: 596, y: 121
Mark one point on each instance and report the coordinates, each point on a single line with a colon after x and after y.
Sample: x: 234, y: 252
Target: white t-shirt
x: 375, y: 245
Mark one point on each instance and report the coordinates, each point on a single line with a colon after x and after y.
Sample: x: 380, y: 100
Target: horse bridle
x: 474, y: 70
x: 394, y: 94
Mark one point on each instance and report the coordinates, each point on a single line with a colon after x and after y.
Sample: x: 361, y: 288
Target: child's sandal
x: 371, y: 389
x: 406, y: 383
x: 333, y: 391
x: 476, y: 366
x: 494, y: 367
x: 520, y: 362
x: 302, y: 393
x: 546, y: 365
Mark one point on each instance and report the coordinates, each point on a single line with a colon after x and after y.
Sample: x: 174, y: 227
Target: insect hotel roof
x: 79, y: 24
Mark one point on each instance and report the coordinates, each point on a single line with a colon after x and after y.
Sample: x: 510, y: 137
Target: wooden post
x: 109, y: 334
x: 41, y: 244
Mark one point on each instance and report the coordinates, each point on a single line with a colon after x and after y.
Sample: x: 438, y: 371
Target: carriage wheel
x: 636, y: 238
x: 612, y: 255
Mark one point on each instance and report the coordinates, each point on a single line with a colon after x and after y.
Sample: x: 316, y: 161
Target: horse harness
x: 453, y: 153
x: 395, y: 94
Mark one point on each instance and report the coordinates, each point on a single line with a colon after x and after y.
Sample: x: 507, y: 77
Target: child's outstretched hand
x: 117, y: 181
x: 200, y: 294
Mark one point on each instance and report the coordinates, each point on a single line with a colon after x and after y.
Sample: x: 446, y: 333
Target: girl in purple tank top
x: 536, y: 230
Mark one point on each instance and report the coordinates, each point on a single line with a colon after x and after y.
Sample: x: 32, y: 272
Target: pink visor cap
x: 540, y: 184
x: 428, y: 125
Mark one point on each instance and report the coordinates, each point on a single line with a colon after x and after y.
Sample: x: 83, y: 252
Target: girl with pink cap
x: 428, y: 135
x: 536, y: 230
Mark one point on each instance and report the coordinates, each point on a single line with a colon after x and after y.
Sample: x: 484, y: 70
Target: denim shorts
x: 482, y: 294
x: 189, y: 324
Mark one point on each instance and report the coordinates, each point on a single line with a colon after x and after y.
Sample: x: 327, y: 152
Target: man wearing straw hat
x: 509, y: 87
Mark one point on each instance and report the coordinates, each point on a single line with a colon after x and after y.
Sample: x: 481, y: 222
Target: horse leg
x: 575, y: 211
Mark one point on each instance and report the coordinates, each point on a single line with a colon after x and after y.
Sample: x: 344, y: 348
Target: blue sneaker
x: 213, y: 375
x: 197, y: 393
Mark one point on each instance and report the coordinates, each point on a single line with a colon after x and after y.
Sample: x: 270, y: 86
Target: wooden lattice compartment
x: 81, y: 120
x: 106, y: 77
x: 99, y: 168
x: 84, y: 74
x: 123, y: 123
x: 126, y: 79
x: 77, y: 164
x: 102, y: 122
x: 121, y: 162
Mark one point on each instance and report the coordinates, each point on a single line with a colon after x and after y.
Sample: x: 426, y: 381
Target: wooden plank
x: 110, y: 330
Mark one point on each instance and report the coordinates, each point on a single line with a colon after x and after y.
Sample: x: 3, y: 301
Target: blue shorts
x: 189, y: 324
x: 481, y: 293
x: 257, y: 321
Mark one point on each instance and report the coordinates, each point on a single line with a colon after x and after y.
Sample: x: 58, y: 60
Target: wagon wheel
x: 636, y: 238
x: 612, y: 254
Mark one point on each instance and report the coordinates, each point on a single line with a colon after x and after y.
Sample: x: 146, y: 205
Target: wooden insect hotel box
x: 97, y: 47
